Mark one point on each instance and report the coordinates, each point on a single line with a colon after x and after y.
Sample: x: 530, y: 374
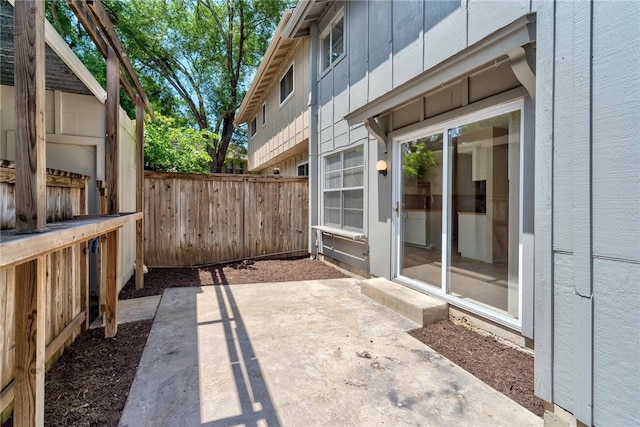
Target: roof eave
x: 266, y: 61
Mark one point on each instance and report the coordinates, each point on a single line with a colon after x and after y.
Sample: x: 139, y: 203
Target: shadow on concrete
x: 253, y: 394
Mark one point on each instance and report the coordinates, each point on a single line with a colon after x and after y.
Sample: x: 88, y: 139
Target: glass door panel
x: 420, y: 219
x: 484, y: 212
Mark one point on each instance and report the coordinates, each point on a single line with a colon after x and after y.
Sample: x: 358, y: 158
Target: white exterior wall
x: 76, y: 143
x: 286, y: 131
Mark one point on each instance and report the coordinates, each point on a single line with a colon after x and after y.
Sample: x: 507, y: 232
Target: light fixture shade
x: 381, y: 165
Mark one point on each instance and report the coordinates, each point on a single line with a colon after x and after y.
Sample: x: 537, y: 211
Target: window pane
x: 354, y: 158
x: 326, y: 51
x: 353, y: 209
x: 337, y: 36
x: 332, y: 199
x: 286, y: 85
x: 353, y: 199
x: 332, y: 163
x: 353, y: 219
x: 484, y: 217
x: 332, y: 180
x: 354, y: 177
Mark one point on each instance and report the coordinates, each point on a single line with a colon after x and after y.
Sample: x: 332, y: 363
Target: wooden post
x: 139, y: 192
x: 29, y: 80
x: 111, y: 299
x: 30, y: 324
x: 30, y: 278
x: 112, y: 142
x: 83, y: 259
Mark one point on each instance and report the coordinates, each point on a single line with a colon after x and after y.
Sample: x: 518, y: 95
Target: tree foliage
x: 202, y: 51
x: 170, y: 147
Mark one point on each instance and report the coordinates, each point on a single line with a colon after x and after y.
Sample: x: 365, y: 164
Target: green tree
x: 169, y: 147
x: 203, y: 51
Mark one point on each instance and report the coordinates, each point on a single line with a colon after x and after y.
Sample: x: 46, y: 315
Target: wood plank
x: 16, y: 249
x: 112, y: 108
x: 84, y: 282
x: 65, y: 334
x: 102, y: 19
x: 7, y: 394
x: 30, y: 322
x: 111, y: 300
x: 85, y: 18
x: 139, y: 278
x: 29, y: 79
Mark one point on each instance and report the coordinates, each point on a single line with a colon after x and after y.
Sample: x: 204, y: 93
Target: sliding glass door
x: 463, y: 178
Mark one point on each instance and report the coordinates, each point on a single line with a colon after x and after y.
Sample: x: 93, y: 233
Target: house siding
x: 409, y: 38
x: 286, y: 131
x: 588, y: 169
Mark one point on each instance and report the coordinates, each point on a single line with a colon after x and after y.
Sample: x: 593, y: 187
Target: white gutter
x: 64, y: 52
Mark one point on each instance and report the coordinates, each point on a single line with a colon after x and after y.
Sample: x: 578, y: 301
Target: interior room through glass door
x: 484, y: 216
x: 420, y: 222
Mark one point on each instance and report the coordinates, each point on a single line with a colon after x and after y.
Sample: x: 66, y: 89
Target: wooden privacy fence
x: 193, y: 219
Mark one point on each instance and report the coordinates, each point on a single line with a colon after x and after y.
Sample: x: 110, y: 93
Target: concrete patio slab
x: 313, y: 353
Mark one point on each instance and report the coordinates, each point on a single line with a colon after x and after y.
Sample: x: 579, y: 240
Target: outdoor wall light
x: 381, y: 167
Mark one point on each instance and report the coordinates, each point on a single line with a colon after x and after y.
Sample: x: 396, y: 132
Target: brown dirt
x: 504, y: 368
x: 89, y: 384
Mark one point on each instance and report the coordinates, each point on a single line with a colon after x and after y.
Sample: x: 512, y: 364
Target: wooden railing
x: 195, y: 219
x: 66, y: 195
x: 63, y: 253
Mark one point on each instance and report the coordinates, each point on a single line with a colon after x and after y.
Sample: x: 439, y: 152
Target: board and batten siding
x: 287, y: 126
x: 588, y: 247
x: 387, y: 44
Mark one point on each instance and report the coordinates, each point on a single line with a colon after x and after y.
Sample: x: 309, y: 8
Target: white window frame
x: 341, y: 189
x: 253, y: 127
x: 443, y: 292
x: 293, y: 84
x: 264, y: 113
x: 328, y: 33
x: 306, y: 162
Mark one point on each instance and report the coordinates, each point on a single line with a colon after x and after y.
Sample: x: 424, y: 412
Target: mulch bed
x: 89, y: 384
x: 504, y: 368
x: 264, y: 271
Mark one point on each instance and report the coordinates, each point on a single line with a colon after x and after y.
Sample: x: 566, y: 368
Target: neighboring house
x: 276, y: 108
x: 75, y: 121
x: 505, y: 134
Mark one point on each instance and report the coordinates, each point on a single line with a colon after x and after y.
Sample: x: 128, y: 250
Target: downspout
x: 314, y: 170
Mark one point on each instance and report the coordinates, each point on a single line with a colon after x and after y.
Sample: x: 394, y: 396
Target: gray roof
x: 58, y: 75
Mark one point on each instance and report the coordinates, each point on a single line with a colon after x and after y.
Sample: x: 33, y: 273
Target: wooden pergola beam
x: 85, y: 17
x: 101, y: 17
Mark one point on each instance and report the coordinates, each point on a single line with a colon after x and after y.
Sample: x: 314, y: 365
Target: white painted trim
x: 340, y: 232
x: 293, y: 85
x: 463, y: 117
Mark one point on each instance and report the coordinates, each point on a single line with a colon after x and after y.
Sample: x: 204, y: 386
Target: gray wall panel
x: 445, y: 31
x: 616, y: 126
x: 616, y: 343
x: 379, y: 212
x: 564, y: 331
x: 498, y: 13
x: 407, y: 40
x: 380, y: 67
